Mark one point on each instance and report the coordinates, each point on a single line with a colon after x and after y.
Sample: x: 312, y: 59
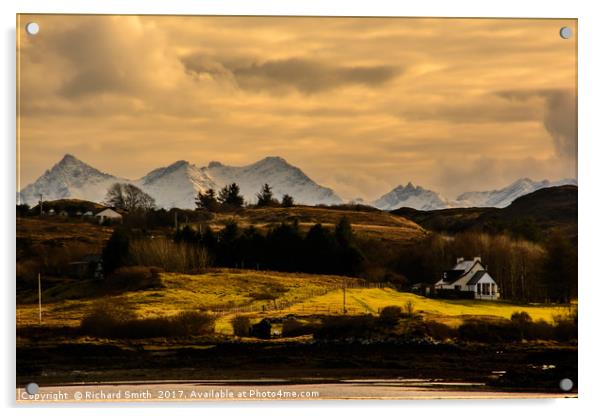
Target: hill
x: 366, y: 223
x: 230, y: 292
x: 533, y: 216
x: 72, y: 206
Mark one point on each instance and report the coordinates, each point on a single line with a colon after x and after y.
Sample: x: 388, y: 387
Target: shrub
x: 565, y: 327
x: 118, y: 321
x: 169, y: 255
x: 390, y: 315
x: 437, y: 330
x: 481, y: 331
x: 134, y: 277
x: 409, y: 309
x: 262, y: 330
x: 192, y: 323
x: 241, y: 325
x: 105, y: 318
x: 295, y: 328
x: 340, y: 327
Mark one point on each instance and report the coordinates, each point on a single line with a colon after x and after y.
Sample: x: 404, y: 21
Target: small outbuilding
x: 108, y: 215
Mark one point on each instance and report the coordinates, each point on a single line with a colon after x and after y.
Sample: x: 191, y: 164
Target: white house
x: 108, y: 214
x: 470, y: 276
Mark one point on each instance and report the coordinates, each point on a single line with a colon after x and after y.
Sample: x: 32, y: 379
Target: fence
x: 284, y: 304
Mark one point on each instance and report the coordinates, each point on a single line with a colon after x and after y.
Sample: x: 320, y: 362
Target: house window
x: 457, y: 287
x: 479, y: 288
x: 485, y: 288
x: 493, y: 288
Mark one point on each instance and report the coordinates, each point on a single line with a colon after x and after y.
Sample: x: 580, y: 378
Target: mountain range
x: 178, y: 184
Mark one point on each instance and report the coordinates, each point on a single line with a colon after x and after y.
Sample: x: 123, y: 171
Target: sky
x: 361, y: 105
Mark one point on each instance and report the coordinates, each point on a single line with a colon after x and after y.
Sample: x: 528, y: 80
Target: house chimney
x: 459, y: 260
x: 477, y: 259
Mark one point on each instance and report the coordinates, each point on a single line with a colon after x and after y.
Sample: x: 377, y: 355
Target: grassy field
x: 242, y: 291
x: 67, y: 303
x: 451, y: 312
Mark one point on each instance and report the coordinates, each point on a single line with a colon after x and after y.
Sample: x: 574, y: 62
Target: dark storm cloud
x: 305, y: 75
x: 559, y: 118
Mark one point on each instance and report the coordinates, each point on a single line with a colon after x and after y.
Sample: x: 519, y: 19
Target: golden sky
x: 361, y: 105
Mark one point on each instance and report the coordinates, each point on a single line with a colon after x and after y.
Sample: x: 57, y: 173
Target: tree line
x: 229, y: 198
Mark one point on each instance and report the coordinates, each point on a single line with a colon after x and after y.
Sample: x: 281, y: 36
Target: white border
x: 590, y: 36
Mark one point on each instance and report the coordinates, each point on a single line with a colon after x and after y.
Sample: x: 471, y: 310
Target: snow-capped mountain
x: 283, y: 177
x: 178, y: 184
x: 69, y: 178
x: 411, y: 196
x: 501, y: 198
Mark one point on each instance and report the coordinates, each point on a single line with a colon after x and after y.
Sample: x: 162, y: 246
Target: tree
x: 287, y: 201
x: 22, y: 210
x: 265, y: 197
x: 560, y: 269
x: 129, y: 197
x: 230, y: 196
x: 207, y: 201
x: 351, y: 257
x: 115, y: 253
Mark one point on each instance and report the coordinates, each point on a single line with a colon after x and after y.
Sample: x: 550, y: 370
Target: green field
x: 233, y: 292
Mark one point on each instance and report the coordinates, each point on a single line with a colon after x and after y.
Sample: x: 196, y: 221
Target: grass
x: 221, y: 288
x: 225, y: 288
x: 451, y: 312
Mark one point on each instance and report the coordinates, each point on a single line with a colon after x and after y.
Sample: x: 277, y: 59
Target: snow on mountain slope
x: 501, y: 198
x: 412, y: 197
x: 69, y: 178
x: 283, y: 177
x: 176, y: 185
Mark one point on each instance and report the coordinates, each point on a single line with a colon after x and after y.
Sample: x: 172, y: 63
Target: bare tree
x: 129, y: 197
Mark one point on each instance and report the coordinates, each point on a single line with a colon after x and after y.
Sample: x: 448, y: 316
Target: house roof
x: 477, y: 276
x: 465, y: 265
x: 452, y: 275
x: 108, y: 212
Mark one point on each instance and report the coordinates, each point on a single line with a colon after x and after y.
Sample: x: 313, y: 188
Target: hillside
x: 230, y: 292
x: 533, y: 216
x: 371, y: 224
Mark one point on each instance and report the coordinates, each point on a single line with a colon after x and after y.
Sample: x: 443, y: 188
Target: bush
x: 390, y: 315
x: 565, y: 327
x: 488, y: 332
x: 105, y: 318
x: 241, y: 325
x: 295, y: 328
x: 409, y: 309
x: 169, y: 255
x: 437, y: 330
x: 262, y: 330
x: 519, y: 327
x: 340, y: 327
x: 134, y: 277
x: 118, y: 321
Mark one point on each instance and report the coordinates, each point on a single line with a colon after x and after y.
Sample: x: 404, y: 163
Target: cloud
x: 360, y: 105
x: 302, y: 74
x: 559, y: 118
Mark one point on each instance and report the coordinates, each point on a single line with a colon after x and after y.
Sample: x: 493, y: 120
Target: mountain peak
x: 410, y: 196
x: 272, y: 161
x: 215, y: 164
x: 69, y: 159
x: 178, y: 164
